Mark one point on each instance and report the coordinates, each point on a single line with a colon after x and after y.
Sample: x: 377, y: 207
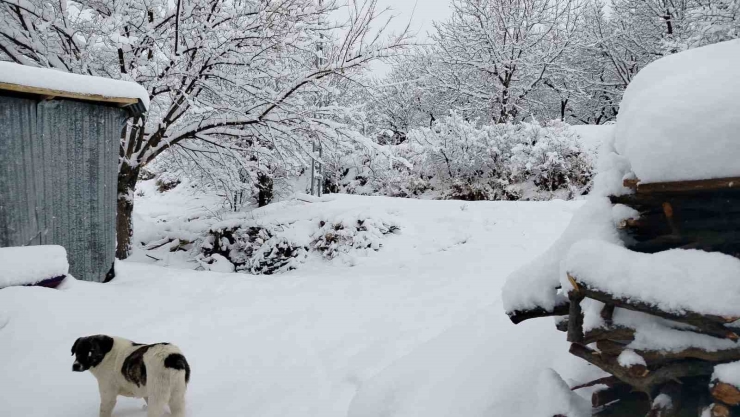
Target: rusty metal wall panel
x: 18, y: 174
x: 66, y: 194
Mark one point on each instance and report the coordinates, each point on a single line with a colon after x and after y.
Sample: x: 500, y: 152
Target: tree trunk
x: 127, y: 177
x: 264, y: 185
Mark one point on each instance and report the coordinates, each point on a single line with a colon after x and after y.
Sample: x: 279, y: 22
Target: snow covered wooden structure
x: 59, y: 146
x: 646, y: 279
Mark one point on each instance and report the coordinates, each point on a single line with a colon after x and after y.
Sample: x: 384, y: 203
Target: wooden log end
x: 638, y: 371
x: 668, y: 209
x: 630, y: 183
x: 719, y: 410
x: 725, y: 393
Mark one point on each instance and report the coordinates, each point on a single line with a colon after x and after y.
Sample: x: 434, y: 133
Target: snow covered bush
x: 254, y: 249
x: 383, y: 170
x: 459, y: 159
x: 335, y: 238
x: 167, y: 181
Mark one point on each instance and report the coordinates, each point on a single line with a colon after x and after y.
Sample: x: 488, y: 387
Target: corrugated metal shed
x: 58, y: 176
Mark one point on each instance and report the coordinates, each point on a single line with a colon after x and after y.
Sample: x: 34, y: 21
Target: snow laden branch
x: 235, y: 74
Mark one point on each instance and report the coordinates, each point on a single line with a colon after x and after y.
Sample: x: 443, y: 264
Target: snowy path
x: 415, y: 329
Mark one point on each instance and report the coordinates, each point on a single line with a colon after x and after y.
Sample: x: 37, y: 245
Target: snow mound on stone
x: 28, y: 265
x: 678, y: 119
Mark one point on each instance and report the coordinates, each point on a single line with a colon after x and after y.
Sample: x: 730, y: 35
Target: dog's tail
x: 178, y: 362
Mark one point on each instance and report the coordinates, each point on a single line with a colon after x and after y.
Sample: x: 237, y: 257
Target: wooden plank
x: 575, y: 318
x: 714, y: 184
x: 519, y: 316
x: 45, y: 93
x: 646, y: 383
x: 708, y: 324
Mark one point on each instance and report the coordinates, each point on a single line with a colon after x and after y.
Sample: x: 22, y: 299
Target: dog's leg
x: 107, y: 401
x: 177, y: 402
x: 155, y: 406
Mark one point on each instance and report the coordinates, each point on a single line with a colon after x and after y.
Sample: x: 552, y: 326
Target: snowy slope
x: 415, y: 329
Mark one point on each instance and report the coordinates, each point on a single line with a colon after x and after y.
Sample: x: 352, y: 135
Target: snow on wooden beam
x: 654, y: 378
x: 708, y: 324
x: 714, y: 184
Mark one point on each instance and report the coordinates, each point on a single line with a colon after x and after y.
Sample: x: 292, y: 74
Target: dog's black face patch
x: 177, y: 361
x: 90, y: 351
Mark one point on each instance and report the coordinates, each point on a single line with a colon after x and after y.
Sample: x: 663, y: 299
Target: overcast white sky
x: 421, y: 13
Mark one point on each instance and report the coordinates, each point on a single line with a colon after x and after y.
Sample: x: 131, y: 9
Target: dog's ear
x: 102, y: 344
x: 74, y: 346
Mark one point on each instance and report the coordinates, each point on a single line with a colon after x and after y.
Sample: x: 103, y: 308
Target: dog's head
x: 90, y: 351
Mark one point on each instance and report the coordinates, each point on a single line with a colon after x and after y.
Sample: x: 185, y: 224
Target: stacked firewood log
x: 701, y: 215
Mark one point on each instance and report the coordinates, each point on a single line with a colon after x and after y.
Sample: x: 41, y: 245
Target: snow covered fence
x: 33, y: 265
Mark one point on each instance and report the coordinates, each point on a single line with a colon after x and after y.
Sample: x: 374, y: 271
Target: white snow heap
x: 629, y: 358
x: 728, y: 373
x: 48, y: 78
x: 556, y: 398
x: 592, y: 137
x: 25, y: 265
x: 674, y: 281
x: 678, y: 119
x: 535, y: 284
x: 663, y: 401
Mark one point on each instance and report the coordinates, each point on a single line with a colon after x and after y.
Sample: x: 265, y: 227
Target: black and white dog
x: 157, y: 373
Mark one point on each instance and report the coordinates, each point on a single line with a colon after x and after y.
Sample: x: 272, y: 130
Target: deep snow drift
x: 416, y: 328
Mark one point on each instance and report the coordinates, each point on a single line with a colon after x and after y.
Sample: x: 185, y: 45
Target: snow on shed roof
x: 679, y: 118
x: 51, y: 82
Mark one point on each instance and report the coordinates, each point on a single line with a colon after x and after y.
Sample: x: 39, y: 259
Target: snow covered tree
x: 707, y: 22
x: 228, y: 74
x: 495, y: 53
x: 408, y: 97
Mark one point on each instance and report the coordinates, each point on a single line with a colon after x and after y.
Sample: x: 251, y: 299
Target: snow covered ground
x: 415, y: 329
